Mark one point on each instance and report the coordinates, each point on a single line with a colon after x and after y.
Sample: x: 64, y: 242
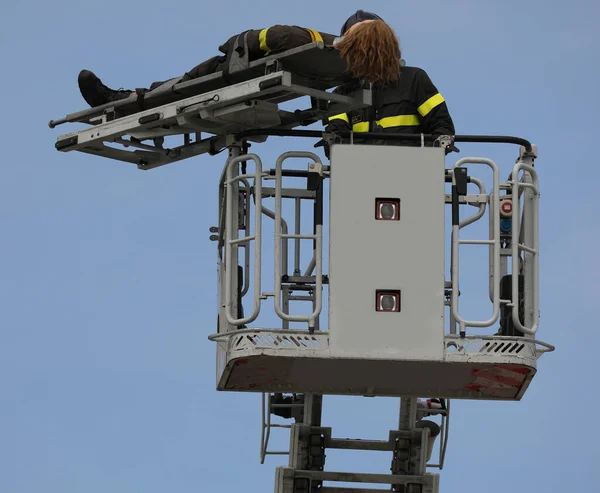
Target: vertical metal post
x: 246, y: 246
x: 308, y: 409
x: 232, y: 207
x: 318, y: 317
x: 408, y: 413
x: 317, y: 248
x: 297, y: 240
x: 529, y: 238
x: 285, y: 291
x: 531, y: 250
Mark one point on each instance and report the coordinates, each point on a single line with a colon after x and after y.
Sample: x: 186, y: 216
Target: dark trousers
x: 207, y: 67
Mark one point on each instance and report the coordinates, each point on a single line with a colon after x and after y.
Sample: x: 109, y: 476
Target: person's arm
x: 336, y: 124
x: 431, y: 106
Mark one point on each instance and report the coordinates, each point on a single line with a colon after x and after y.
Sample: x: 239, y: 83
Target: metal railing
x: 231, y: 236
x: 530, y: 252
x: 494, y: 242
x: 317, y: 237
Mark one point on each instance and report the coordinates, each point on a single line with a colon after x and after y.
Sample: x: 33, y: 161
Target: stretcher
x: 245, y: 96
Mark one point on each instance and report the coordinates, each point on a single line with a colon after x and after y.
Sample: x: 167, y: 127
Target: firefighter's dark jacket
x: 411, y: 105
x: 276, y: 39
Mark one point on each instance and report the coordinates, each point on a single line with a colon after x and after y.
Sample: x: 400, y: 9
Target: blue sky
x: 107, y: 285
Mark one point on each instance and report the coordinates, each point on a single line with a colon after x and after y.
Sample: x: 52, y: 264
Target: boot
x: 95, y: 93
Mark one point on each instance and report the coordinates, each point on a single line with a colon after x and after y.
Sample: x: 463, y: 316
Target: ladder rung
x: 299, y: 237
x: 336, y: 489
x: 278, y: 452
x: 350, y: 477
x: 353, y: 444
x: 527, y: 249
x: 476, y: 242
x: 245, y: 239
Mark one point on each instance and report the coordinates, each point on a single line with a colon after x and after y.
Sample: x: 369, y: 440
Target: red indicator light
x: 506, y: 207
x: 387, y: 300
x: 387, y: 209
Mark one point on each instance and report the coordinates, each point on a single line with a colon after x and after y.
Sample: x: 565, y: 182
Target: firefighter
x: 261, y: 42
x: 405, y: 100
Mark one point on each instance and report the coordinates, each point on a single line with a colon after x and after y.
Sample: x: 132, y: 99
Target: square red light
x: 387, y: 300
x: 387, y: 209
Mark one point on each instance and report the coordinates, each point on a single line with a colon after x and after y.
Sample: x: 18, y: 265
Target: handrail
x: 494, y: 242
x: 481, y: 139
x: 317, y: 237
x: 517, y: 247
x: 231, y: 239
x: 479, y: 214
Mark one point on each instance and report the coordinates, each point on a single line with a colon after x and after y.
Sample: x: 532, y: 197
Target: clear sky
x: 107, y: 285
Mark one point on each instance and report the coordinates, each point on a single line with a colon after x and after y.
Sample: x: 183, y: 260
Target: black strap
x: 141, y: 93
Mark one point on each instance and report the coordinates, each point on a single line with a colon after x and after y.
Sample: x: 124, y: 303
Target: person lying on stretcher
x: 405, y: 100
x: 261, y: 42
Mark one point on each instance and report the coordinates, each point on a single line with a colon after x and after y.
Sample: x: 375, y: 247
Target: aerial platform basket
x: 388, y: 332
x: 393, y: 326
x: 394, y: 323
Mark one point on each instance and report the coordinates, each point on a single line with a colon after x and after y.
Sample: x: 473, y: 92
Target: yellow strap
x: 341, y: 116
x: 431, y: 103
x: 360, y: 127
x: 314, y: 35
x: 262, y: 38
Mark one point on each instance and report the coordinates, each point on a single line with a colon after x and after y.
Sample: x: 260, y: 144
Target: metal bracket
x: 524, y: 153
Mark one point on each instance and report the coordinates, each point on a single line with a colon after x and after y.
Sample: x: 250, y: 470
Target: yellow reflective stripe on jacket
x: 360, y: 127
x: 431, y: 103
x: 262, y: 39
x: 314, y: 35
x: 341, y: 116
x: 390, y: 121
x: 399, y: 121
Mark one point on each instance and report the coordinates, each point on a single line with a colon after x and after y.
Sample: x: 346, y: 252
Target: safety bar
x: 317, y: 237
x: 482, y: 139
x: 246, y: 246
x: 494, y: 243
x: 231, y: 224
x: 532, y: 213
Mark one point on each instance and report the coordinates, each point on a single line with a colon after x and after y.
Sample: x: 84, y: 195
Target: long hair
x: 372, y: 52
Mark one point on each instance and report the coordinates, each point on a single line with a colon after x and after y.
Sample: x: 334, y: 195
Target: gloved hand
x: 322, y: 143
x: 447, y: 142
x: 452, y: 148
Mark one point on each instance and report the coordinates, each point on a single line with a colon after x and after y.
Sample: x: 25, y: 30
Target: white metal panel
x: 406, y: 255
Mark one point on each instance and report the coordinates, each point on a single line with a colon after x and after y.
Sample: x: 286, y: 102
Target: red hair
x: 372, y: 52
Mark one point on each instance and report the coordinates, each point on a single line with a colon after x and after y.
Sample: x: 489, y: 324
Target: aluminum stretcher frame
x: 210, y: 105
